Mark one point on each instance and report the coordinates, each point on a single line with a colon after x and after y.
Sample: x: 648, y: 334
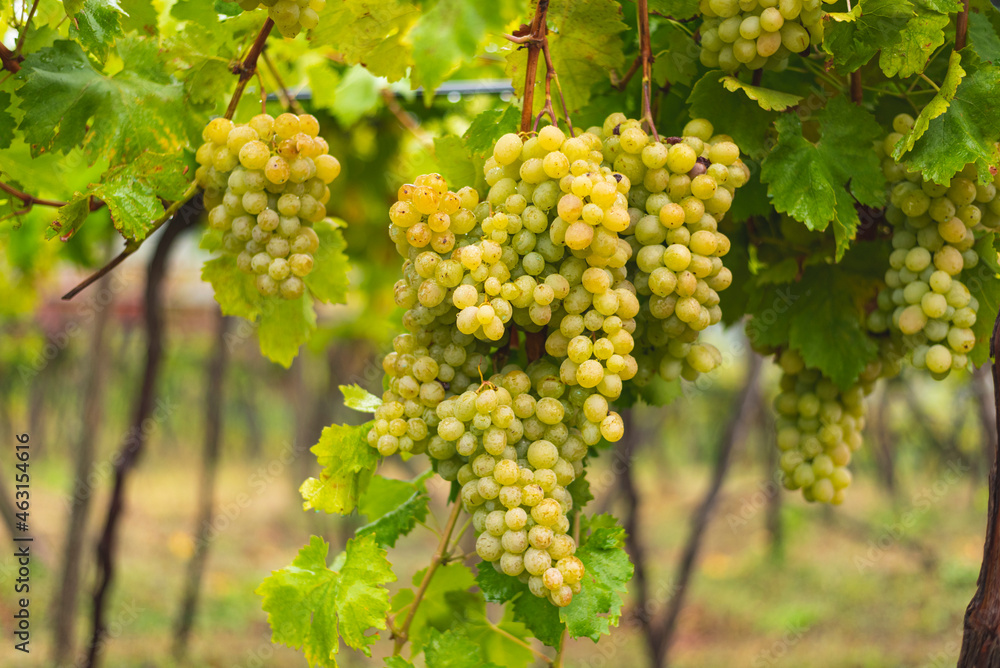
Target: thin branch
x: 961, y: 26
x: 538, y: 30
x: 621, y: 83
x: 646, y: 53
x: 518, y: 641
x: 248, y: 67
x: 557, y: 662
x: 857, y: 90
x: 287, y: 101
x: 439, y: 556
x: 550, y: 76
x: 132, y: 245
x: 31, y: 15
x: 29, y: 200
x: 930, y: 81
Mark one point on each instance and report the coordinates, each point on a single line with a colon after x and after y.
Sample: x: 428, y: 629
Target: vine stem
x: 646, y: 53
x: 287, y: 101
x: 558, y: 661
x: 133, y: 245
x: 518, y: 641
x: 9, y: 60
x: 534, y: 44
x: 31, y: 15
x: 857, y: 89
x: 962, y: 26
x: 29, y: 200
x: 439, y: 557
x: 246, y: 70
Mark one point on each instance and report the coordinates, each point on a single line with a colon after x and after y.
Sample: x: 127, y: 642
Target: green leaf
x: 309, y: 604
x: 540, y: 616
x: 400, y: 520
x: 453, y: 650
x: 386, y: 494
x: 357, y: 95
x: 397, y: 662
x: 140, y: 16
x: 497, y: 587
x: 489, y: 126
x: 598, y: 606
x: 446, y: 599
x: 818, y: 183
x: 69, y: 218
x: 959, y: 130
x: 446, y: 36
x: 739, y: 116
x: 585, y: 45
x: 769, y: 100
x: 908, y: 55
x: 68, y: 103
x: 198, y: 11
x: 499, y: 641
x: 983, y: 35
x: 820, y: 315
x: 348, y: 464
x: 285, y: 325
x: 97, y: 25
x: 369, y: 32
x: 454, y: 162
x: 984, y: 284
x: 853, y: 38
x: 234, y: 291
x: 360, y: 399
x: 676, y: 55
x: 675, y: 9
x: 6, y: 120
x: 328, y: 280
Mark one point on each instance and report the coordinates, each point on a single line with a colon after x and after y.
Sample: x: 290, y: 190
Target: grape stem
x: 246, y: 70
x: 646, y: 54
x: 961, y: 26
x: 619, y: 83
x: 533, y: 43
x: 400, y: 633
x: 518, y: 641
x: 29, y: 200
x: 287, y: 101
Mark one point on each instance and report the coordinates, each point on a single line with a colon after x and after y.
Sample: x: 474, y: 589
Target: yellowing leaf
x: 769, y: 100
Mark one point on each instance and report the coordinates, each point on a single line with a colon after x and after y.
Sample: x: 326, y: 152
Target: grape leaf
x: 676, y: 55
x: 397, y: 662
x: 489, y: 126
x: 598, y: 606
x: 497, y: 587
x: 368, y: 32
x: 328, y: 280
x: 983, y: 36
x: 447, y: 35
x: 499, y: 641
x: 454, y: 650
x: 742, y: 118
x: 234, y: 290
x: 585, y: 45
x: 579, y: 489
x: 323, y: 82
x: 959, y: 126
x: 908, y: 54
x: 675, y: 9
x: 139, y: 15
x: 285, y: 325
x: 96, y: 26
x: 68, y: 103
x: 447, y: 597
x: 6, y: 120
x: 360, y: 399
x: 539, y: 615
x: 348, y: 464
x: 818, y: 183
x: 769, y: 100
x: 357, y: 94
x: 399, y: 518
x: 984, y: 284
x: 198, y: 11
x: 854, y: 37
x: 309, y: 604
x: 821, y: 316
x: 454, y: 162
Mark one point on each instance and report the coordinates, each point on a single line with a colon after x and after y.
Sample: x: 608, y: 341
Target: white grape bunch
x: 926, y: 303
x: 818, y: 428
x: 290, y: 16
x: 538, y: 278
x: 266, y: 183
x: 754, y: 34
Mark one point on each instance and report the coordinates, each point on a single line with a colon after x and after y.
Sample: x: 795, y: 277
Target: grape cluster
x: 926, y: 304
x: 541, y: 273
x: 265, y: 184
x: 819, y: 426
x: 290, y: 16
x: 758, y: 33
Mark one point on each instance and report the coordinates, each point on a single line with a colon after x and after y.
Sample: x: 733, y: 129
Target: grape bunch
x: 753, y: 34
x: 524, y: 309
x: 265, y: 184
x: 819, y: 427
x: 290, y: 16
x: 926, y: 305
